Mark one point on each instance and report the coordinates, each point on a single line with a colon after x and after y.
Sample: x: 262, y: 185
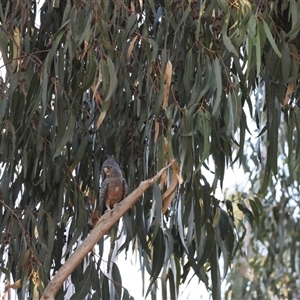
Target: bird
x: 113, y: 188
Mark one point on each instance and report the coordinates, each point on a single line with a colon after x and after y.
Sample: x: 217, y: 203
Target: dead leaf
x: 156, y: 130
x: 27, y: 260
x: 289, y: 91
x: 101, y: 118
x: 167, y: 84
x: 169, y: 194
x: 141, y: 4
x: 95, y: 88
x: 16, y: 285
x: 86, y: 46
x: 132, y: 7
x: 163, y: 180
x: 96, y: 95
x: 131, y: 46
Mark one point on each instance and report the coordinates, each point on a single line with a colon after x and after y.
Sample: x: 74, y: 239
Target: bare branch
x: 102, y: 227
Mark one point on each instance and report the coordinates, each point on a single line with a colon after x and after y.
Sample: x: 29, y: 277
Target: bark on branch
x: 102, y: 227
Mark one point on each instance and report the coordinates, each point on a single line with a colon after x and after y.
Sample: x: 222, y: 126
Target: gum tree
x: 150, y: 82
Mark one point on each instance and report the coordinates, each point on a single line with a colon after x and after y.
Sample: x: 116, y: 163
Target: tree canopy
x: 212, y: 84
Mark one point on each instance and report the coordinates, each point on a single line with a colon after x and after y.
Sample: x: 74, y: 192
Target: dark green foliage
x: 91, y: 80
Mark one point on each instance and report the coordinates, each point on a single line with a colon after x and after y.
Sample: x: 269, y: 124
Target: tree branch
x: 102, y: 227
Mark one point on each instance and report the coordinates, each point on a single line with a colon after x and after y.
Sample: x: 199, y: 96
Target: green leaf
x: 50, y: 241
x: 258, y: 48
x: 285, y: 62
x: 218, y: 80
x: 255, y: 211
x: 215, y: 274
x: 156, y: 210
x: 247, y: 212
x: 172, y: 284
x: 223, y: 5
x: 117, y: 280
x: 188, y: 71
x: 153, y: 50
x: 181, y: 227
x: 67, y: 136
x: 270, y: 38
x: 209, y: 245
x: 294, y: 31
x: 204, y: 126
x: 183, y: 18
x: 85, y: 284
x: 251, y: 28
x: 105, y: 287
x: 273, y: 122
x: 158, y: 253
x: 81, y: 151
x: 112, y: 79
x: 89, y: 75
x: 229, y: 46
x: 130, y: 25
